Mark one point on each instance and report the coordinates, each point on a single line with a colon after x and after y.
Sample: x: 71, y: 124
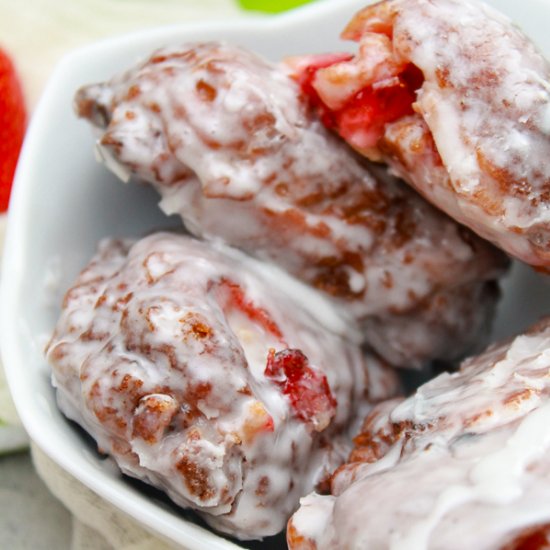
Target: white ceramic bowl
x: 64, y: 202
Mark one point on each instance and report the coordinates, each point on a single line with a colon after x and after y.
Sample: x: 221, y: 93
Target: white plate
x: 64, y: 201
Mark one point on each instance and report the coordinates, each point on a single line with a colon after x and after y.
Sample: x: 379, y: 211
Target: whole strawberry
x: 12, y: 126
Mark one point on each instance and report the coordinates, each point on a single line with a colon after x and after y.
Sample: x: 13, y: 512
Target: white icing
x: 229, y: 143
x: 485, y: 100
x: 161, y: 353
x: 472, y: 115
x: 470, y: 469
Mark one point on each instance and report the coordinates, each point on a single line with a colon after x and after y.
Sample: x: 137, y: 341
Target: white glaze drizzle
x: 165, y: 366
x: 485, y: 101
x: 470, y: 471
x: 230, y: 144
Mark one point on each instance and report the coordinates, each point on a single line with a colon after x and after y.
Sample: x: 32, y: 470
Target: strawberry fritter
x: 457, y: 101
x: 232, y: 147
x: 461, y: 464
x: 205, y: 377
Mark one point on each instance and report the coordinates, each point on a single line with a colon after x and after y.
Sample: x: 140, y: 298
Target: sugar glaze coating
x: 230, y: 144
x: 473, y: 134
x: 185, y: 363
x: 461, y: 464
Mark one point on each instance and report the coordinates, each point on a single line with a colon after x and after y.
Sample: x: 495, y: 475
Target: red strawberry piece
x: 306, y: 388
x: 13, y: 118
x: 232, y: 297
x: 362, y: 119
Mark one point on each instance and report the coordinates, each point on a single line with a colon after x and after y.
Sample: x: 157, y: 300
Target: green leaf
x: 271, y: 6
